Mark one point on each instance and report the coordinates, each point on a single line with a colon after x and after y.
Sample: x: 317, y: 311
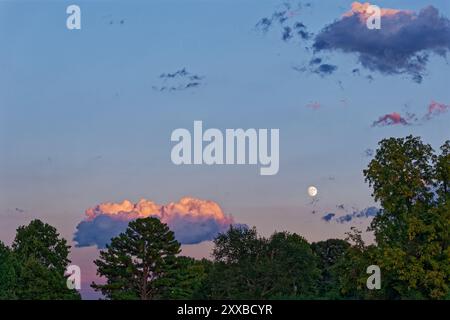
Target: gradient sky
x: 80, y: 123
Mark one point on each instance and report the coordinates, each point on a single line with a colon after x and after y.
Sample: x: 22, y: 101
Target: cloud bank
x: 402, y: 45
x: 192, y: 220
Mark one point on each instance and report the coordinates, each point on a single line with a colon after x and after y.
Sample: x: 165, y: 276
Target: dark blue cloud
x: 99, y: 231
x: 302, y: 31
x: 369, y: 152
x: 315, y: 67
x: 287, y: 34
x: 187, y: 229
x: 315, y: 61
x: 325, y: 69
x: 402, y: 45
x: 179, y: 73
x: 178, y: 81
x: 328, y: 217
x: 283, y: 18
x: 264, y: 24
x: 365, y: 213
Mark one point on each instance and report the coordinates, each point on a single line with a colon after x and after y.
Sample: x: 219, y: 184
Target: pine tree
x: 137, y: 262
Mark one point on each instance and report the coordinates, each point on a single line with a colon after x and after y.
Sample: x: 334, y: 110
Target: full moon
x: 312, y: 191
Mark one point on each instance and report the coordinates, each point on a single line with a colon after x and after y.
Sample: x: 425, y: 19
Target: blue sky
x: 80, y: 123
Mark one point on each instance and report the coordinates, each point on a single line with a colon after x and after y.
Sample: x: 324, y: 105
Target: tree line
x: 412, y: 235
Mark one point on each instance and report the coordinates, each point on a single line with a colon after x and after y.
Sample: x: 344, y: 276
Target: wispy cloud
x: 283, y: 18
x: 316, y: 67
x: 314, y: 105
x: 369, y: 212
x: 369, y: 152
x: 178, y: 80
x: 328, y: 217
x: 390, y: 120
x: 435, y: 109
x: 325, y: 69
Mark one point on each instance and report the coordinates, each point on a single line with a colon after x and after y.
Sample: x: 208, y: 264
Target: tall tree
x: 251, y: 267
x: 239, y: 256
x: 136, y: 263
x: 329, y: 253
x: 42, y: 259
x: 42, y: 242
x: 8, y: 277
x: 293, y: 267
x: 349, y: 271
x: 412, y: 232
x: 186, y: 279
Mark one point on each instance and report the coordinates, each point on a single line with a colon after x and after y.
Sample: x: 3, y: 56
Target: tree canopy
x: 33, y: 269
x: 136, y: 263
x: 412, y: 232
x: 409, y: 180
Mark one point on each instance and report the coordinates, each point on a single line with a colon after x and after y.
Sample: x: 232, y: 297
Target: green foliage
x: 36, y: 282
x: 185, y: 280
x: 8, y: 277
x: 42, y: 258
x: 251, y: 267
x: 412, y: 234
x: 412, y: 185
x: 329, y: 253
x: 349, y: 270
x: 34, y: 267
x: 137, y: 263
x: 41, y: 242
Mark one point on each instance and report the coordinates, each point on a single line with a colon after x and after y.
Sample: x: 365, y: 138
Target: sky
x: 86, y: 115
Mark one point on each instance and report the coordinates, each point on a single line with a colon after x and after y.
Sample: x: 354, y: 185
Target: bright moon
x: 312, y: 191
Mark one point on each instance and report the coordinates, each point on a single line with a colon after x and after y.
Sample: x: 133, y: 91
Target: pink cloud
x: 390, y: 120
x: 314, y: 105
x: 435, y: 109
x: 192, y: 220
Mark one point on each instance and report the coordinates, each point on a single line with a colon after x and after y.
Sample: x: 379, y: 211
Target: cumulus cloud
x: 365, y: 213
x: 402, y: 45
x: 192, y: 220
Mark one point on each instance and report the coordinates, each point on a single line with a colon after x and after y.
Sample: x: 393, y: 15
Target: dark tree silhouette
x: 42, y: 258
x: 136, y: 264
